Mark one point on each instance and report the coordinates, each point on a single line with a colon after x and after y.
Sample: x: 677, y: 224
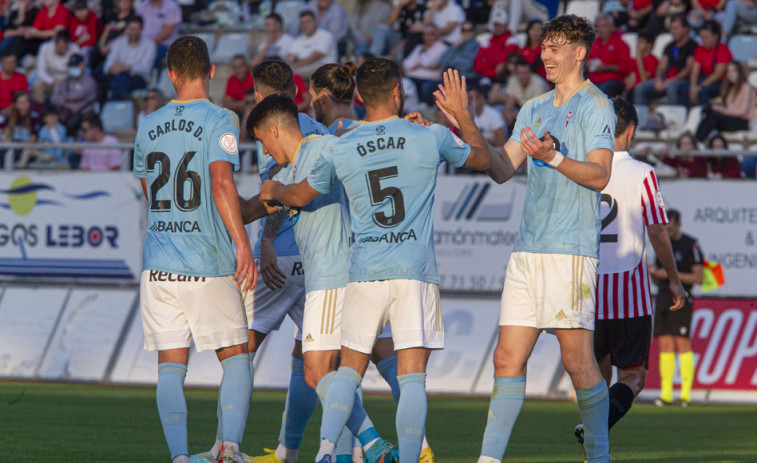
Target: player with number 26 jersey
x: 173, y: 152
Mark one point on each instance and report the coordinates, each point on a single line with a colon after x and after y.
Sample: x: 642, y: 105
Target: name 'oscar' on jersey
x: 173, y: 151
x: 561, y: 216
x: 284, y: 243
x: 323, y: 228
x: 388, y: 169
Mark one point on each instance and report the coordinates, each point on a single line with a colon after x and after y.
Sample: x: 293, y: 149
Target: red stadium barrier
x: 724, y: 341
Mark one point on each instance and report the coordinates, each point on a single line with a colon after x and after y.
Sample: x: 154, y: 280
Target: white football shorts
x: 413, y: 307
x: 177, y: 308
x: 322, y: 325
x: 549, y: 291
x: 266, y: 308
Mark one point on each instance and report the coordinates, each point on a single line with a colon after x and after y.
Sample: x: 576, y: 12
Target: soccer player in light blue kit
x: 388, y: 168
x: 323, y: 236
x: 184, y: 154
x: 283, y: 293
x: 567, y: 137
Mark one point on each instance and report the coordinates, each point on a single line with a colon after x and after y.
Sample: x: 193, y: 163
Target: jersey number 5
x: 378, y: 195
x: 180, y: 178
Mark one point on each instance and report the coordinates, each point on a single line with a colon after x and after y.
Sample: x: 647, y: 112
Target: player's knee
x: 313, y: 374
x: 575, y: 364
x: 508, y: 363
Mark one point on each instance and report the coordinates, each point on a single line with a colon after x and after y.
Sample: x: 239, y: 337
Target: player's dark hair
x: 304, y: 13
x: 274, y: 76
x: 376, y: 79
x: 626, y: 114
x: 336, y: 80
x: 276, y: 17
x: 63, y: 36
x: 569, y: 28
x: 188, y: 58
x: 276, y: 107
x: 94, y: 121
x: 681, y: 17
x: 674, y: 215
x: 239, y: 56
x: 135, y: 19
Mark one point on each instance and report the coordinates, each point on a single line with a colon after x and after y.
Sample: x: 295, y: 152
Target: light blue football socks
x: 594, y: 405
x: 300, y: 404
x: 388, y: 370
x: 411, y: 415
x: 234, y: 396
x: 505, y: 405
x: 172, y: 406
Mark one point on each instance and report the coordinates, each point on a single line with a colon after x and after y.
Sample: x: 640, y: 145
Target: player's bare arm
x: 269, y: 267
x: 226, y: 200
x: 144, y: 188
x: 254, y: 209
x: 296, y: 194
x: 660, y: 240
x: 504, y: 165
x: 452, y: 99
x: 594, y: 173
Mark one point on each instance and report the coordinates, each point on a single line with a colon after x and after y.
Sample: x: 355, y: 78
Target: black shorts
x: 626, y: 340
x: 667, y: 322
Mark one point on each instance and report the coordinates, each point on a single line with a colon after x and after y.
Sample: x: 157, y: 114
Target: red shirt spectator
x: 302, y: 91
x: 239, y: 82
x: 613, y: 52
x: 708, y: 58
x: 645, y: 60
x: 85, y: 27
x: 54, y: 14
x: 11, y: 81
x: 649, y: 63
x: 236, y: 89
x: 490, y: 60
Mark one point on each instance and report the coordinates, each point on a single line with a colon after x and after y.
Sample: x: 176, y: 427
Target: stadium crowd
x: 685, y: 64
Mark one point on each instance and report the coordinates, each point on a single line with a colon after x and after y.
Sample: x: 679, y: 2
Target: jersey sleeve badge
x: 229, y: 143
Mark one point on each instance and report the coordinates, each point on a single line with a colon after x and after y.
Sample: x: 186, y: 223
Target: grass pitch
x: 48, y: 422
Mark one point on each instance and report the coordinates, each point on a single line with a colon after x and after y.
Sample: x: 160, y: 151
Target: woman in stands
x: 531, y: 51
x: 22, y: 123
x: 738, y: 108
x: 686, y: 165
x: 722, y: 166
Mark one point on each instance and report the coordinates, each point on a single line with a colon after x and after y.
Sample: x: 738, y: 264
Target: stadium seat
x: 743, y: 48
x: 165, y: 85
x: 483, y: 39
x: 518, y: 39
x: 675, y: 117
x: 660, y: 43
x: 230, y: 44
x: 209, y: 38
x: 630, y: 38
x: 749, y: 164
x: 693, y: 119
x: 289, y: 10
x: 753, y: 79
x: 118, y: 115
x: 586, y: 8
x: 642, y: 111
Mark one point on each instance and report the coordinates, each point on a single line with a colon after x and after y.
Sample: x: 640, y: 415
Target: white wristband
x: 556, y: 160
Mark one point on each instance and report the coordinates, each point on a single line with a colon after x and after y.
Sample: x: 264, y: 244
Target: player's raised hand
x: 267, y: 190
x: 538, y: 149
x: 452, y: 96
x: 679, y: 296
x: 269, y: 266
x: 246, y: 276
x: 417, y: 118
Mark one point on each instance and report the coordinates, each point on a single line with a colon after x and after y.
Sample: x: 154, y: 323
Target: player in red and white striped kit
x: 631, y: 205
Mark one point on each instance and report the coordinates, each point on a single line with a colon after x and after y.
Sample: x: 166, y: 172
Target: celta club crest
x: 568, y: 118
x: 380, y: 130
x: 179, y: 111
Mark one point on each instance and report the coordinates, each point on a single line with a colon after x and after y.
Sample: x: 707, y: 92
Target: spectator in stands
x: 130, y: 61
x: 639, y: 14
x: 448, y: 18
x: 519, y: 11
x: 153, y: 102
x: 249, y: 104
x: 704, y: 10
x: 18, y: 26
x: 398, y: 43
x: 21, y: 124
x: 644, y: 66
x: 99, y: 159
x: 238, y: 83
x: 85, y: 27
x: 609, y: 60
x: 366, y: 17
x: 460, y: 56
x: 674, y: 69
x: 51, y: 19
x: 488, y: 120
x: 722, y: 166
x: 663, y: 14
x: 685, y: 164
x: 276, y: 42
x: 710, y: 61
x: 744, y: 11
x: 52, y: 65
x: 738, y: 108
x: 11, y: 81
x: 161, y: 19
x: 523, y: 85
x: 115, y: 25
x: 313, y: 48
x: 75, y: 95
x: 531, y: 50
x: 330, y: 16
x: 424, y: 66
x: 490, y: 60
x: 618, y: 9
x: 52, y: 132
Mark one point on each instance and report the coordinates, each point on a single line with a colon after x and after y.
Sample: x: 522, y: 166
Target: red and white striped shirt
x: 630, y: 201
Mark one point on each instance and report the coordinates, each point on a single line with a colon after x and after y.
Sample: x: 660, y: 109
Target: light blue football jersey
x: 322, y: 230
x: 388, y: 169
x: 346, y: 125
x: 284, y: 243
x: 560, y: 216
x: 173, y: 151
